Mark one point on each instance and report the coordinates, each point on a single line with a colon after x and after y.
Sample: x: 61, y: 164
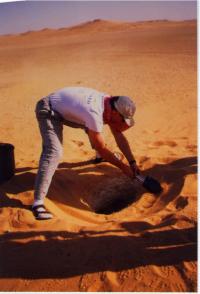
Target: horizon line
x: 96, y: 20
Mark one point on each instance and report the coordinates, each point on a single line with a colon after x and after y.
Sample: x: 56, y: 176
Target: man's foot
x: 41, y: 213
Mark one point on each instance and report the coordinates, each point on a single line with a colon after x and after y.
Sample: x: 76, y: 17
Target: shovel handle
x: 140, y: 178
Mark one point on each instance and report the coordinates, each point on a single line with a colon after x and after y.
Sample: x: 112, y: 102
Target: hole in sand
x: 114, y: 195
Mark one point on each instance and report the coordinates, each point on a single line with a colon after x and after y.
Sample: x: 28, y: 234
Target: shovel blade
x: 152, y: 185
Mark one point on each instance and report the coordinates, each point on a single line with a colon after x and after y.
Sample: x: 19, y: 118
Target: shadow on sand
x: 69, y: 183
x: 64, y: 254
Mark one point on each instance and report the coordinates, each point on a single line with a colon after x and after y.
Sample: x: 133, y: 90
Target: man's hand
x: 127, y: 170
x: 135, y: 169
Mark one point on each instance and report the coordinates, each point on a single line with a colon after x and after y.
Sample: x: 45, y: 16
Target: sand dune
x: 142, y: 242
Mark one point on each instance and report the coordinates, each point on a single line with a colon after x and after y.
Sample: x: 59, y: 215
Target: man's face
x: 117, y: 121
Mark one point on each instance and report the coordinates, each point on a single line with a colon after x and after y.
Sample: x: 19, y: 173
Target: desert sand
x: 145, y: 242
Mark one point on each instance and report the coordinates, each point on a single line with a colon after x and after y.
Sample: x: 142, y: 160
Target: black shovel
x: 149, y: 183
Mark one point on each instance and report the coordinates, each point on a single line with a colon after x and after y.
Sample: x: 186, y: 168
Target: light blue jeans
x: 51, y: 130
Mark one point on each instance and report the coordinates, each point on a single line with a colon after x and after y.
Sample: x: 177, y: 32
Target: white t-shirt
x: 79, y: 105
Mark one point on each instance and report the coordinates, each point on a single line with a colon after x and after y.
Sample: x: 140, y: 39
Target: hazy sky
x: 22, y: 16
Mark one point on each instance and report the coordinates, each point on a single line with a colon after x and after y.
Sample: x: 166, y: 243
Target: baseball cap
x: 126, y: 107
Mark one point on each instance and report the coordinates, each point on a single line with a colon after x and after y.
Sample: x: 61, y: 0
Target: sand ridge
x: 145, y: 242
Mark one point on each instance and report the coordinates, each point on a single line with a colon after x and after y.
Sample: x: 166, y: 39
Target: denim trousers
x: 51, y: 131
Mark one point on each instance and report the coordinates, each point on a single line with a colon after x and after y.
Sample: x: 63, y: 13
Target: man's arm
x: 123, y: 144
x: 99, y: 145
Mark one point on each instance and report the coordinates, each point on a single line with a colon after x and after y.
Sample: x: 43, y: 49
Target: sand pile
x: 148, y: 243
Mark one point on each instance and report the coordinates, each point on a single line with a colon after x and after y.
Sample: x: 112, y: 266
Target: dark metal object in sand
x: 151, y: 184
x: 7, y: 162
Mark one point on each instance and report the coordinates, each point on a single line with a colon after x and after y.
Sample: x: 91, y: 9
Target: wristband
x: 132, y: 162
